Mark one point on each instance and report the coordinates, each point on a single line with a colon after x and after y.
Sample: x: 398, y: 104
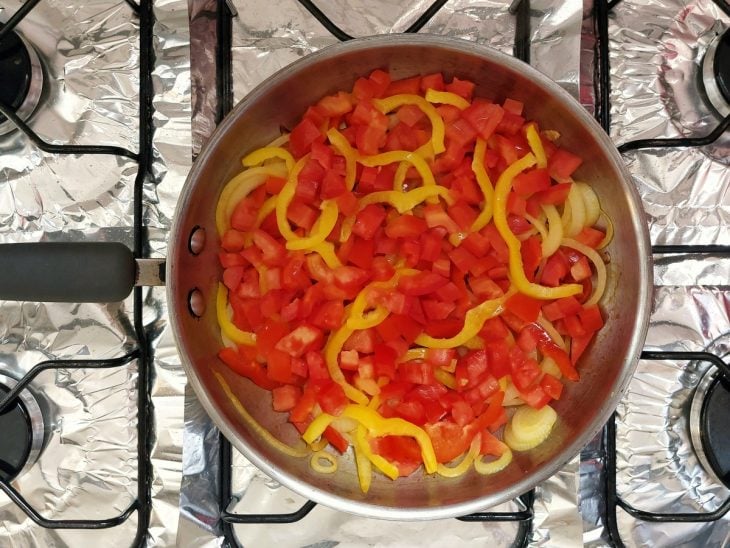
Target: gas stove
x: 102, y: 106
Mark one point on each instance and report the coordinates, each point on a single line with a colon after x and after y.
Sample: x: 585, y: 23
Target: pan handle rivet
x: 196, y: 303
x: 196, y: 242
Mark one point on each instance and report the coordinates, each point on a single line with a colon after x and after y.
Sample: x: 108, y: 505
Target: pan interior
x: 279, y: 102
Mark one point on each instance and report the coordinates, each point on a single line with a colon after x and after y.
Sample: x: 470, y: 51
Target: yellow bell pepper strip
x: 393, y: 156
x: 445, y: 378
x: 413, y: 354
x: 425, y: 151
x: 475, y: 343
x: 259, y: 156
x: 356, y: 318
x: 485, y: 184
x: 473, y: 321
x: 533, y: 139
x: 371, y: 319
x: 378, y: 426
x: 286, y: 195
x: 342, y: 145
x: 516, y: 268
x: 461, y: 468
x: 267, y: 207
x: 331, y: 354
x: 321, y: 229
x: 437, y: 124
x: 364, y: 468
x: 406, y: 201
x: 227, y: 326
x: 446, y: 98
x: 239, y: 187
x: 253, y: 423
x: 327, y: 251
x: 362, y: 443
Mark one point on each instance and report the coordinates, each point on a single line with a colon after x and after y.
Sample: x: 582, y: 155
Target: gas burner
x: 716, y: 73
x: 708, y: 426
x: 690, y: 57
x: 22, y: 78
x: 22, y: 431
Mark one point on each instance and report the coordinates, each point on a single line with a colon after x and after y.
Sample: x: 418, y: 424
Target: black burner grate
x: 603, y: 89
x: 142, y: 504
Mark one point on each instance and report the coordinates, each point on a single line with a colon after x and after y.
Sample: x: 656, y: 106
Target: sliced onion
x: 609, y: 231
x: 596, y: 259
x: 461, y: 468
x: 253, y: 423
x: 529, y: 427
x: 323, y: 462
x: 494, y: 466
x: 539, y: 226
x: 549, y: 366
x: 555, y: 231
x: 577, y: 212
x: 592, y: 205
x: 549, y: 328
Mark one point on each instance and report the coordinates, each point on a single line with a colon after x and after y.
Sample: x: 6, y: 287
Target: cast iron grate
x: 524, y: 517
x: 141, y: 354
x: 603, y: 89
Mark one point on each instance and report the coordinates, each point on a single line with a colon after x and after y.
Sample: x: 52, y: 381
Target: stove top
x: 104, y: 103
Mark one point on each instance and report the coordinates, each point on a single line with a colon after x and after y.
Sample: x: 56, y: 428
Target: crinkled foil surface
x: 266, y: 37
x: 90, y: 53
x: 655, y: 51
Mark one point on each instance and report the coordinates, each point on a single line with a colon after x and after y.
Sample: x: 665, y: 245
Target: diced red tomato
x: 303, y: 339
x: 422, y: 283
x: 302, y: 136
x: 562, y: 164
x: 368, y: 221
x: 332, y: 399
x: 293, y: 301
x: 285, y: 398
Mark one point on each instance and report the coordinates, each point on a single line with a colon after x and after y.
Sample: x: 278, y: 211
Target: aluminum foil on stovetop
x: 656, y: 51
x: 90, y: 53
x: 267, y: 36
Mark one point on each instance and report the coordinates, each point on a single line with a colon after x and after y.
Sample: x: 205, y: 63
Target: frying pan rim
x: 640, y: 319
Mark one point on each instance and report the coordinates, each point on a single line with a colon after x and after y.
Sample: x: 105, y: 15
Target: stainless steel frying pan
x: 193, y: 272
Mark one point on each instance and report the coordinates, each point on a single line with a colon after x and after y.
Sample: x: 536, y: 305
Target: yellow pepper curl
x: 437, y: 123
x: 327, y: 251
x: 446, y: 98
x: 516, y: 268
x: 346, y: 151
x: 533, y: 139
x: 260, y: 155
x: 393, y: 156
x: 406, y: 201
x: 239, y: 187
x: 377, y: 426
x: 357, y: 319
x: 227, y: 326
x: 321, y: 229
x: 473, y: 321
x: 331, y: 354
x: 363, y: 445
x: 485, y: 184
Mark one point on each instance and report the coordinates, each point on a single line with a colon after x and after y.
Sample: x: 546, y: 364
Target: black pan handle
x: 89, y: 272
